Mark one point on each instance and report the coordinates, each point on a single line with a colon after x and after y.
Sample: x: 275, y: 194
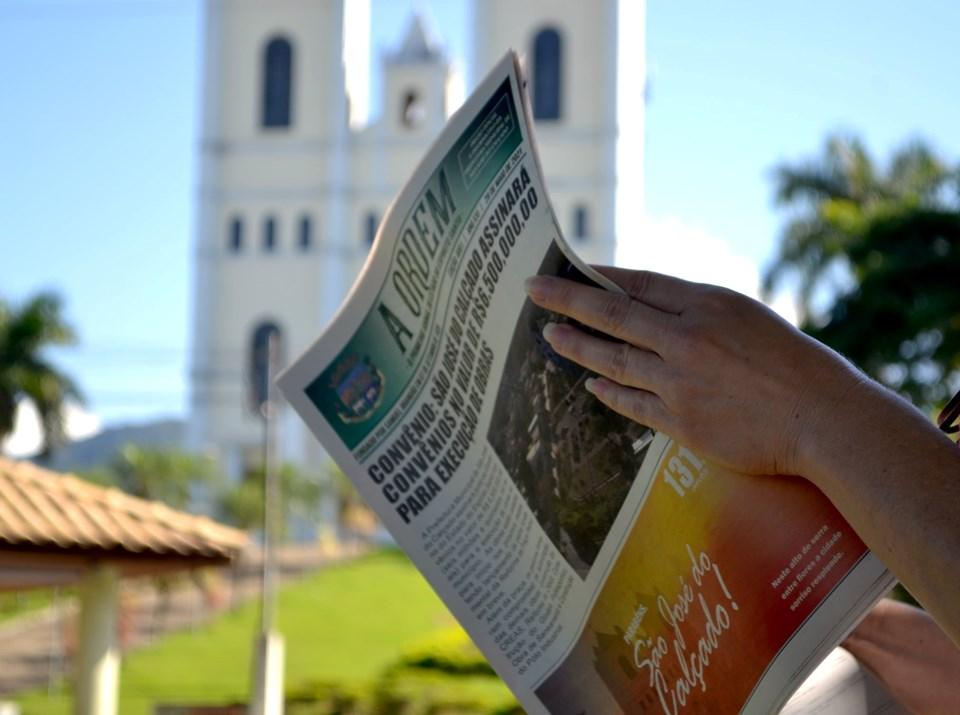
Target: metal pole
x: 270, y: 492
x: 267, y: 696
x: 53, y: 668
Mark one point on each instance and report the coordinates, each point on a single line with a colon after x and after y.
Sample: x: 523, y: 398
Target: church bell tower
x: 269, y: 264
x: 569, y: 48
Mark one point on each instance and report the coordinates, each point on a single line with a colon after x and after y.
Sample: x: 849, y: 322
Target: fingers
x: 639, y: 405
x: 655, y: 289
x: 621, y: 362
x: 611, y: 313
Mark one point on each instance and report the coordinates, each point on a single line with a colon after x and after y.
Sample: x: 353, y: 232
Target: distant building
x: 290, y: 197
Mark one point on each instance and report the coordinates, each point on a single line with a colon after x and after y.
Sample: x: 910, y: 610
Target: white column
x: 267, y: 695
x: 98, y: 654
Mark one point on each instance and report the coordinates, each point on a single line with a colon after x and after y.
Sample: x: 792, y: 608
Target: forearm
x: 913, y: 658
x: 896, y: 479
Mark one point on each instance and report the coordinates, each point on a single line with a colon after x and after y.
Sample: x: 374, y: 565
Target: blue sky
x: 99, y: 125
x: 739, y: 86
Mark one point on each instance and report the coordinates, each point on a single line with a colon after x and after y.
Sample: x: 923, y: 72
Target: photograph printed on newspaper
x: 599, y: 566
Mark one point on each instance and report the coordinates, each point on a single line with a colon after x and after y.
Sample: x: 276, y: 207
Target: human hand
x: 911, y: 655
x: 714, y: 369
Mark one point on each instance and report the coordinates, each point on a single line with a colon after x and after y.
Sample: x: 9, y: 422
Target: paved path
x: 35, y: 649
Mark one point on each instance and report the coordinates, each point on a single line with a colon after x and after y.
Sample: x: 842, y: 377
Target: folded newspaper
x: 599, y: 566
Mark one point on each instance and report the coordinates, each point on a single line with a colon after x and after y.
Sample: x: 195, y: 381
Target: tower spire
x: 417, y: 45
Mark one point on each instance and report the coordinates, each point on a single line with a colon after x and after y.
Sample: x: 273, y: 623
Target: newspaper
x: 600, y: 566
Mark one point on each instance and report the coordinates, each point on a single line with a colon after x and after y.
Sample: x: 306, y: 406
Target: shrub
x: 449, y: 651
x: 441, y: 674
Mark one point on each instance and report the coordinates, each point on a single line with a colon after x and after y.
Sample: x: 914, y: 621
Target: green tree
x: 26, y: 374
x: 880, y: 248
x: 170, y: 476
x: 242, y: 504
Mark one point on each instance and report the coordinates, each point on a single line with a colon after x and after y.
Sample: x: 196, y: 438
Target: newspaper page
x: 600, y: 567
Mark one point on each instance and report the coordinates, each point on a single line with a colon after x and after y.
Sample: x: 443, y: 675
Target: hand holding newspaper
x: 599, y: 566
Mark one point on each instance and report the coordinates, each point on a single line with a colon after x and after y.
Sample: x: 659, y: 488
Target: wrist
x: 831, y: 417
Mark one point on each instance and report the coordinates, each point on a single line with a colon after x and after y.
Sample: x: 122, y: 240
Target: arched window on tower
x: 581, y: 222
x: 370, y: 223
x: 547, y: 74
x: 305, y: 239
x: 277, y: 83
x: 235, y: 235
x: 265, y: 361
x: 412, y: 111
x: 269, y: 234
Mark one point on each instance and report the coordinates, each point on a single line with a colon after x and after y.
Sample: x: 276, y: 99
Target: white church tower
x: 569, y: 49
x: 268, y: 249
x: 413, y: 111
x: 289, y: 201
x: 290, y: 197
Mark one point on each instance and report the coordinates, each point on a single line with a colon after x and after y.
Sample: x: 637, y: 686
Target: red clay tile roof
x: 40, y: 508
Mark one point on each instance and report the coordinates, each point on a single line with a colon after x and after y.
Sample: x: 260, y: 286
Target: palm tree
x: 833, y: 196
x: 25, y: 374
x: 883, y: 248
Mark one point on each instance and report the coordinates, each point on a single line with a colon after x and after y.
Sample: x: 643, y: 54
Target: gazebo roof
x: 44, y: 512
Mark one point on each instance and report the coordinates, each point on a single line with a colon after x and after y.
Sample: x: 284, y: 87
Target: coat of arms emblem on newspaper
x: 358, y: 384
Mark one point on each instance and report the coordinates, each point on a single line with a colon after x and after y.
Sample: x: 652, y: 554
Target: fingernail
x: 590, y: 384
x: 533, y: 285
x: 550, y: 331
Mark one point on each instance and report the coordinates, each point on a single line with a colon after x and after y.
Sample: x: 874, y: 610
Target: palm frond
x: 807, y: 248
x: 25, y: 332
x: 915, y: 171
x: 809, y: 183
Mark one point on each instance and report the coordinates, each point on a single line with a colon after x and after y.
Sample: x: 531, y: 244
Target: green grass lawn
x: 346, y: 623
